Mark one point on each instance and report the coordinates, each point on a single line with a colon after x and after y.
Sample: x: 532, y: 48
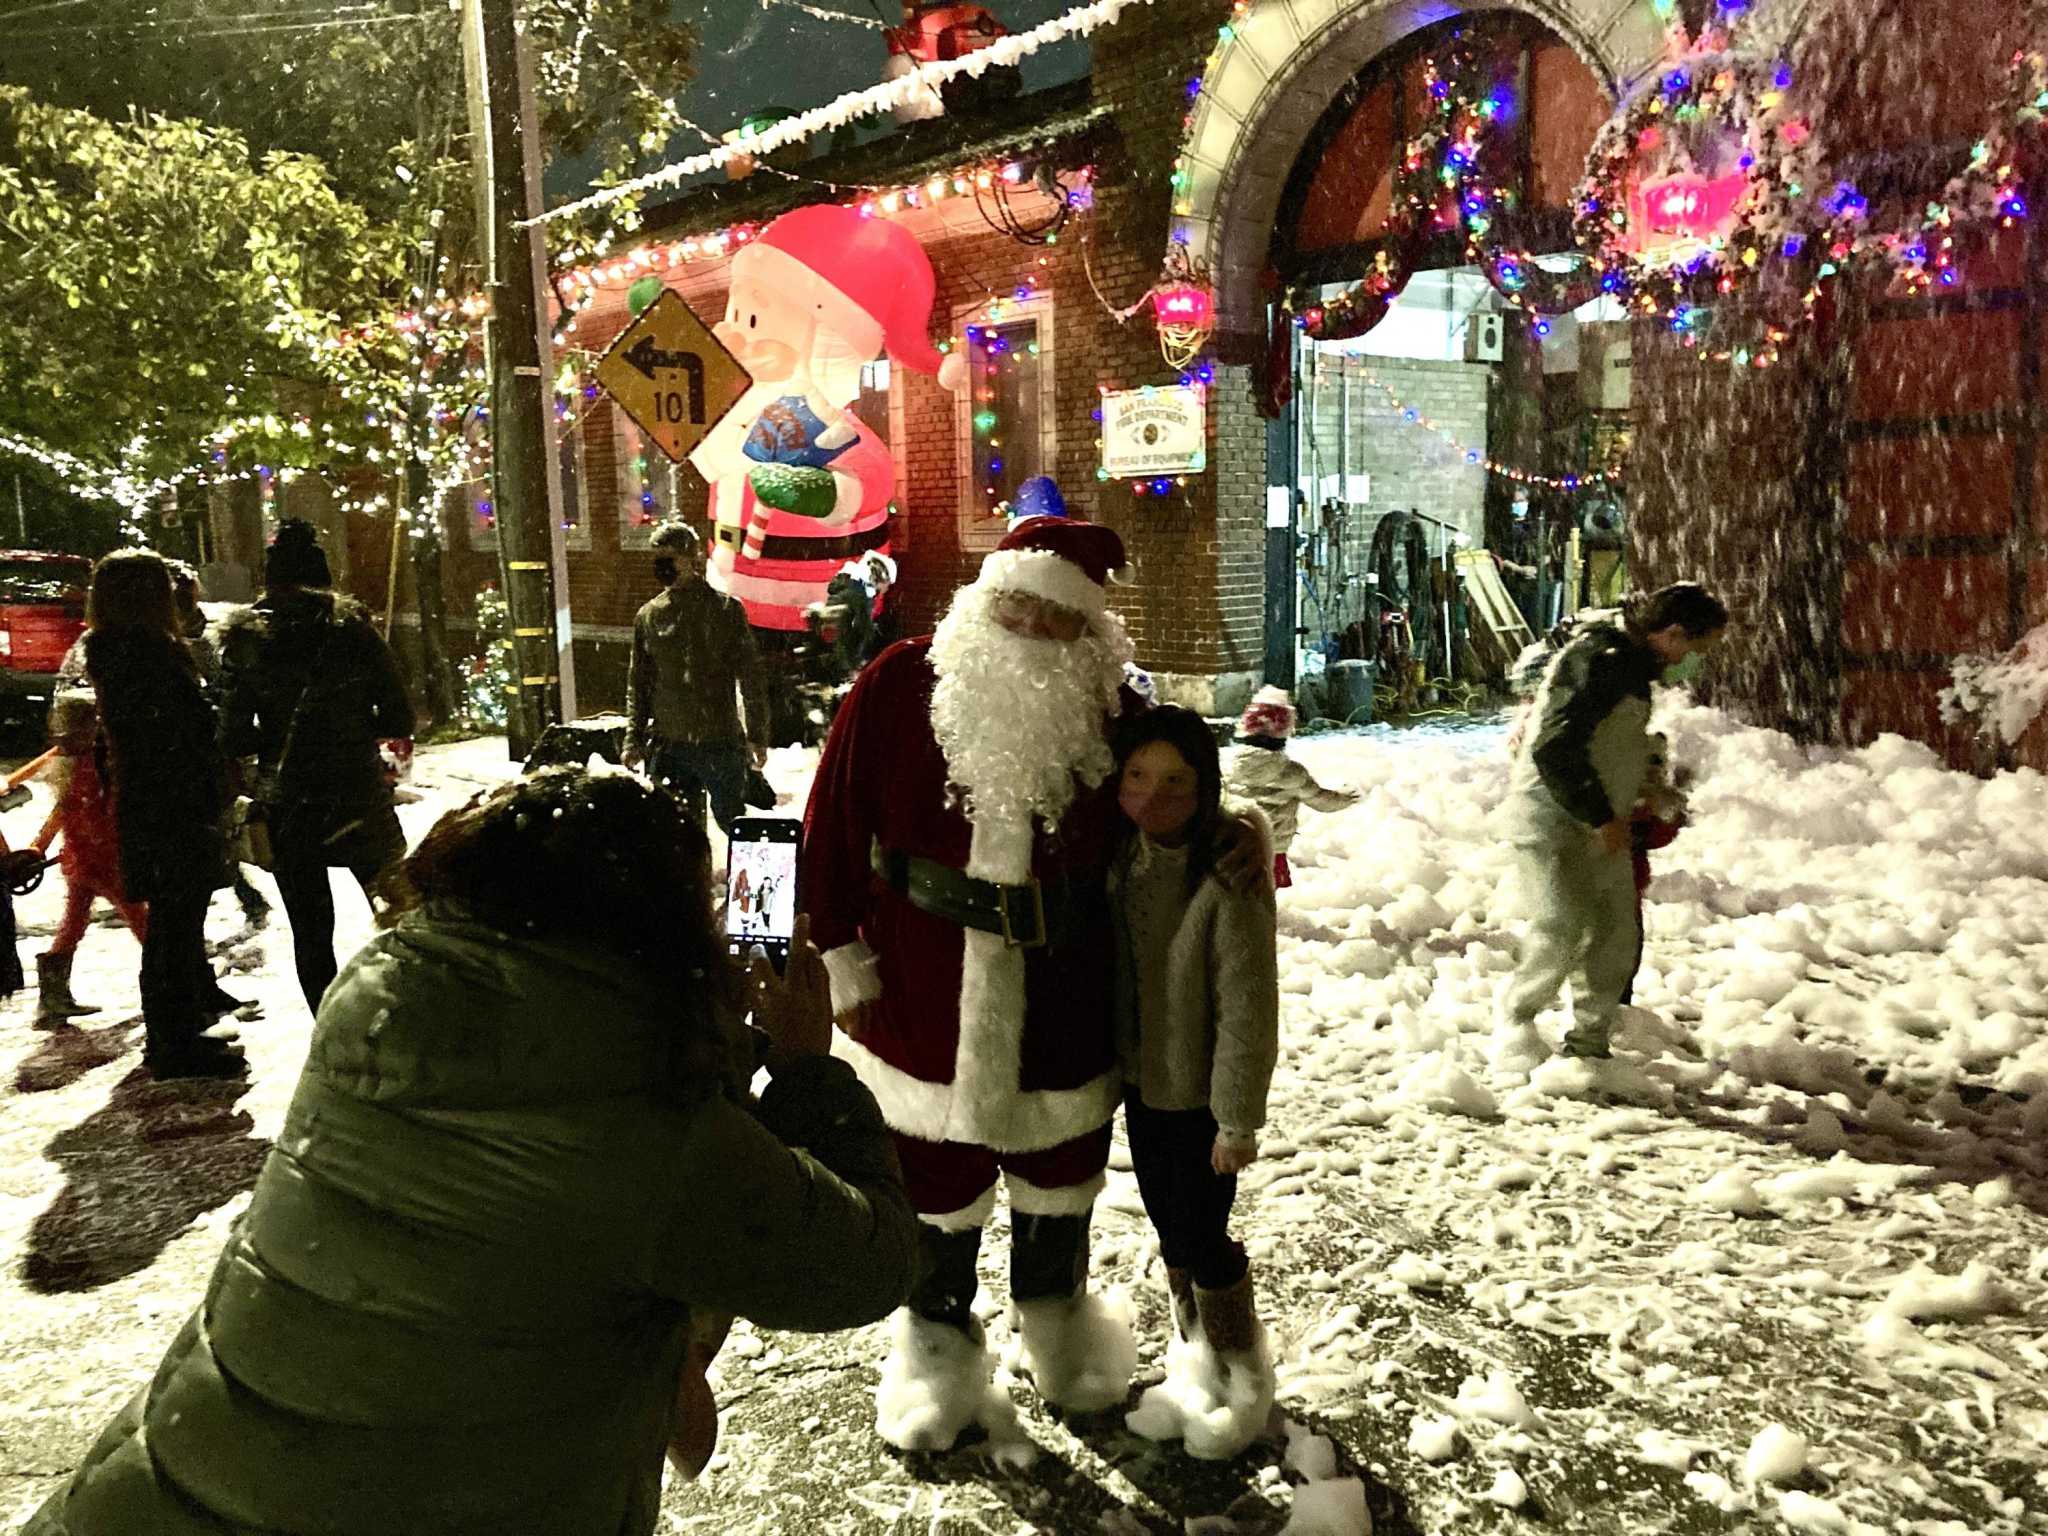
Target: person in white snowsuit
x: 1263, y: 774
x: 1578, y: 774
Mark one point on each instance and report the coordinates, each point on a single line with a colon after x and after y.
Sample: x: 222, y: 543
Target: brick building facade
x: 1875, y: 504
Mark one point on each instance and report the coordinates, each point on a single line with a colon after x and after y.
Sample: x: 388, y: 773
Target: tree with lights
x: 390, y: 415
x: 164, y: 286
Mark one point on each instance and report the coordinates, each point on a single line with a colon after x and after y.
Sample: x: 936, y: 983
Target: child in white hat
x: 1265, y: 775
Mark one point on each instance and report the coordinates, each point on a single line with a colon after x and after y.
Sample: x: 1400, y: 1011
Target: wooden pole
x: 523, y: 492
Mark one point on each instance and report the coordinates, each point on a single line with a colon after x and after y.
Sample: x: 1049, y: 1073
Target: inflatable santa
x: 958, y: 835
x: 799, y: 484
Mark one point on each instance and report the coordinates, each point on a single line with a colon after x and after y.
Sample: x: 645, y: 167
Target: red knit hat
x: 1064, y: 560
x: 870, y: 280
x: 1270, y: 713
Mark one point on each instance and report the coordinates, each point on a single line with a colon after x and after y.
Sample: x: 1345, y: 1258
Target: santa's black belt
x: 1018, y: 912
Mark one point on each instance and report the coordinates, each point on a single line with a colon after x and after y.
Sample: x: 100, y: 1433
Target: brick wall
x: 1875, y: 506
x: 1410, y: 466
x: 1196, y: 609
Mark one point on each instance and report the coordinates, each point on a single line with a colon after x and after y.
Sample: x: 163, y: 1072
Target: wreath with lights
x: 1447, y: 179
x: 1705, y: 118
x: 1796, y: 209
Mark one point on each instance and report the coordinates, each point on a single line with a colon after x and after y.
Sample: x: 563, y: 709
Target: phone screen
x: 760, y: 885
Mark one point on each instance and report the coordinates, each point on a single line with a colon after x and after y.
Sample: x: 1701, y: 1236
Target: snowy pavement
x: 1782, y: 1266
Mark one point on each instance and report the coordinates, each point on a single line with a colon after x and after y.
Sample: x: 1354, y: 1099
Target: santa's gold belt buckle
x: 728, y: 535
x: 1036, y: 938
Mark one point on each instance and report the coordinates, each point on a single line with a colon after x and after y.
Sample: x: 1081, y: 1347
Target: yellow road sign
x: 672, y: 376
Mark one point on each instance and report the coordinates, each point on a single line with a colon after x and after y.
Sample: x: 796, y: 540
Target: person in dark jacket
x: 309, y: 689
x: 520, y: 1167
x: 169, y: 792
x: 694, y: 664
x: 1578, y: 774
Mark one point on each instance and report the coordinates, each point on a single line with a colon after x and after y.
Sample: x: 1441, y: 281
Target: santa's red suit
x: 1018, y: 1062
x: 985, y: 1054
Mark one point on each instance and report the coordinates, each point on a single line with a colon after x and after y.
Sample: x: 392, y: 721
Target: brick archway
x: 1270, y: 82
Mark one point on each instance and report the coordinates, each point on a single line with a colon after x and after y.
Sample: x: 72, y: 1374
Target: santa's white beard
x: 1021, y: 721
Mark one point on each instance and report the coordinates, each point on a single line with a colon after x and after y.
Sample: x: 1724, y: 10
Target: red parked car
x: 42, y: 611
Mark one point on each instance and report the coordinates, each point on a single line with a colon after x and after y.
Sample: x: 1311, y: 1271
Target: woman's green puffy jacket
x: 459, y: 1298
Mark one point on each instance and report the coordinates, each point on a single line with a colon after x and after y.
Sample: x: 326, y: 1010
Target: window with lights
x: 574, y: 480
x: 1006, y: 414
x: 646, y: 481
x: 481, y: 512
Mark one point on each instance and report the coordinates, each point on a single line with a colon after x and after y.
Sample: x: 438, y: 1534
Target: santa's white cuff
x: 856, y: 975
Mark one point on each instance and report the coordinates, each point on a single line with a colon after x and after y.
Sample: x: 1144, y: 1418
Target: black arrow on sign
x: 648, y: 358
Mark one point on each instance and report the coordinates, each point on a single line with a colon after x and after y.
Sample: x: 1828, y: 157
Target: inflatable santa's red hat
x: 867, y: 278
x: 1063, y: 560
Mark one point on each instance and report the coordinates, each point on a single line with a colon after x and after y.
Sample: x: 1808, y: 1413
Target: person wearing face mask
x: 694, y: 668
x: 799, y: 484
x: 1579, y: 771
x: 1198, y: 1035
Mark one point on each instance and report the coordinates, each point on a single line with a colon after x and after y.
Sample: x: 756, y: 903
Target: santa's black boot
x: 935, y: 1381
x: 1075, y: 1345
x: 946, y: 1281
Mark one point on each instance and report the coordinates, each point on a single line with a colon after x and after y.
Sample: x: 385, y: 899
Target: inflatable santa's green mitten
x: 795, y: 488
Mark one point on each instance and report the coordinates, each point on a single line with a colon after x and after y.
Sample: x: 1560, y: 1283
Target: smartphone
x: 760, y: 886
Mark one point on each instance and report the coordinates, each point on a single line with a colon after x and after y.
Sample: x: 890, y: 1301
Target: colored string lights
x: 1412, y: 416
x: 1746, y: 195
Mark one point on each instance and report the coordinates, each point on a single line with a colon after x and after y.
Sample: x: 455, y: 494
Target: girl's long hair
x: 1189, y: 735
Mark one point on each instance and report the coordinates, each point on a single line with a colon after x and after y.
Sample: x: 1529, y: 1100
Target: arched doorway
x: 1286, y: 188
x: 1276, y: 76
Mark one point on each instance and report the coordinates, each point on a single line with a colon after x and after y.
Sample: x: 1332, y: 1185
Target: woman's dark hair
x: 131, y: 589
x: 1686, y: 604
x: 295, y: 558
x: 1189, y: 735
x: 597, y: 859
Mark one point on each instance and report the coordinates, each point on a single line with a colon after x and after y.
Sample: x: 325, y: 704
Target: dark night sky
x: 754, y: 56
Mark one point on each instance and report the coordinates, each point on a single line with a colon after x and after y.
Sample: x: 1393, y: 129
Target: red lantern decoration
x: 1188, y: 305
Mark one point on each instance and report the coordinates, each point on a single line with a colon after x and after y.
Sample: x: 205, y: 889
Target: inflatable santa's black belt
x: 846, y: 547
x: 1017, y: 912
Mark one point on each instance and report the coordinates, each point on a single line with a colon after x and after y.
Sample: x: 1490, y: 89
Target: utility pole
x: 525, y: 485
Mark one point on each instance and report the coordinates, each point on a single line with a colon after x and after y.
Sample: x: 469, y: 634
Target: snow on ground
x: 1783, y: 1265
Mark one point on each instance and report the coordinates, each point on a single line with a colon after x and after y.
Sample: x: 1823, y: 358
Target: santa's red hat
x: 1061, y: 559
x: 868, y: 278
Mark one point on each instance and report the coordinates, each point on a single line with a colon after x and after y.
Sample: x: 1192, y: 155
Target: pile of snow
x: 2001, y: 695
x: 1215, y: 1405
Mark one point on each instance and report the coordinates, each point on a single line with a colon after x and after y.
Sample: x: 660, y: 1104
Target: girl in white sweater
x: 1198, y: 1030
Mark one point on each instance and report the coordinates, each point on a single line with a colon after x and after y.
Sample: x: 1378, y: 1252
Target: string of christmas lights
x: 1411, y: 416
x: 856, y: 105
x: 1795, y: 221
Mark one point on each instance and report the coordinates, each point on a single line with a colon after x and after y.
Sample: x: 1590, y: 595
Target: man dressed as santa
x: 958, y: 833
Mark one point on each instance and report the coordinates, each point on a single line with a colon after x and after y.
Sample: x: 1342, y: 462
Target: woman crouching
x: 520, y: 1165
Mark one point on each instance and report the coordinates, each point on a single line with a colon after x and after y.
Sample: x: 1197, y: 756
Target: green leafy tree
x: 158, y: 284
x: 375, y: 92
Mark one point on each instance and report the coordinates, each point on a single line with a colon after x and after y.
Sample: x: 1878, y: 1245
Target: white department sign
x: 1158, y: 431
